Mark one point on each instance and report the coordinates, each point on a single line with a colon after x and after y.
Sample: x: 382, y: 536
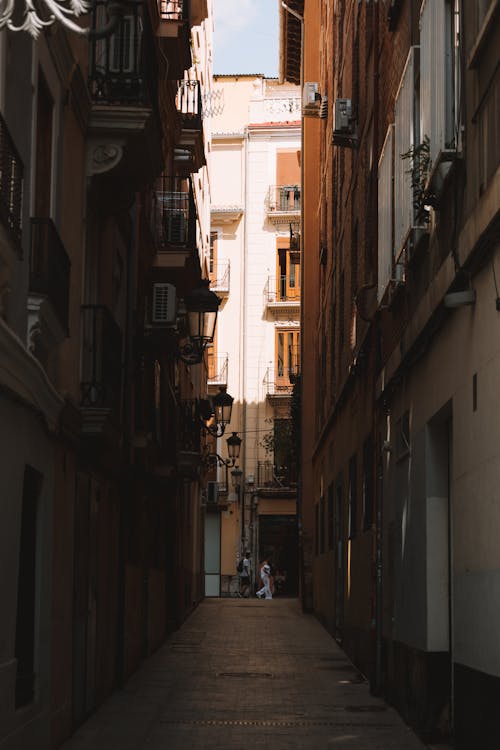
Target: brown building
x: 104, y: 234
x: 401, y: 358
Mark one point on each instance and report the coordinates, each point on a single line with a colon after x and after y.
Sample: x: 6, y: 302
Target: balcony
x: 282, y: 295
x: 173, y: 221
x: 270, y: 476
x: 217, y: 372
x: 170, y: 22
x: 48, y: 299
x: 101, y: 374
x: 11, y: 185
x: 189, y: 106
x: 123, y: 83
x: 220, y: 277
x: 283, y: 203
x: 278, y: 389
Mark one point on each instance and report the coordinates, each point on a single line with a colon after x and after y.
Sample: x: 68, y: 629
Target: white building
x: 255, y: 268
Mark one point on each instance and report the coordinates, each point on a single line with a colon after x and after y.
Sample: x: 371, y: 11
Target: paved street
x: 246, y: 674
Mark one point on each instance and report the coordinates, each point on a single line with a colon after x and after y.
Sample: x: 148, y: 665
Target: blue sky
x: 246, y: 36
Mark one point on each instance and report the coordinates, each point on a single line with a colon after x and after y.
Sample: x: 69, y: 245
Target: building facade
x: 104, y: 208
x: 400, y: 405
x: 256, y: 196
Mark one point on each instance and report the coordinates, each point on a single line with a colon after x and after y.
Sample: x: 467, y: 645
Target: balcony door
x: 287, y: 349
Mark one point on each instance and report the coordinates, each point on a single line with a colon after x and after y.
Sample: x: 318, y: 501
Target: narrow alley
x: 244, y: 673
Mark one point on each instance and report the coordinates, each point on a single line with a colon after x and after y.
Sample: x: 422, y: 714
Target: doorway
x: 278, y: 543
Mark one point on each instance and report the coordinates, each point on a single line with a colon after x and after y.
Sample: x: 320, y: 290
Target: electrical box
x: 343, y: 116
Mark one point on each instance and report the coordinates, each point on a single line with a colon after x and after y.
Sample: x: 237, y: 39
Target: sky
x: 246, y: 36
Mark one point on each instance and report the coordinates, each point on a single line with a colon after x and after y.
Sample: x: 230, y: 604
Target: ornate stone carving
x: 103, y: 157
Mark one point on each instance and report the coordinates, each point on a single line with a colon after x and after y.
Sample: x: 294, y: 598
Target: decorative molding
x: 103, y: 157
x: 25, y: 377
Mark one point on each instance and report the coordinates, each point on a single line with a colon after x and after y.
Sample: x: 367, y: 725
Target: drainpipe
x: 243, y: 341
x: 300, y: 545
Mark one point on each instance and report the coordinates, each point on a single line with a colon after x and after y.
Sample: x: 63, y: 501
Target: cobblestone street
x: 246, y: 674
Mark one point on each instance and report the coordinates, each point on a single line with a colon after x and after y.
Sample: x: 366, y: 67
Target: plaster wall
x: 468, y: 345
x: 27, y: 444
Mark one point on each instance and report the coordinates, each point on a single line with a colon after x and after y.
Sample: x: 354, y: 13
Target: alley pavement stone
x: 246, y: 673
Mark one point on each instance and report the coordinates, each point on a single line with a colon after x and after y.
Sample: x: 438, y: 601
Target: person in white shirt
x: 245, y: 576
x: 265, y: 577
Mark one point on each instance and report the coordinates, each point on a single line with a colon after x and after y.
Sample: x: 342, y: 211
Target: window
x: 287, y: 272
x: 330, y: 516
x: 406, y: 137
x: 287, y: 357
x: 214, y: 236
x: 316, y: 529
x: 385, y: 209
x: 26, y: 589
x: 438, y: 61
x: 43, y: 163
x: 367, y: 488
x: 353, y: 497
x: 322, y: 526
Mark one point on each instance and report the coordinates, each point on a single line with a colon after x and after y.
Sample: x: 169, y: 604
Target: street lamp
x: 215, y: 414
x: 202, y: 306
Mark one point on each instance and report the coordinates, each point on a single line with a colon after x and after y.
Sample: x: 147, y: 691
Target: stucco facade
x: 255, y: 155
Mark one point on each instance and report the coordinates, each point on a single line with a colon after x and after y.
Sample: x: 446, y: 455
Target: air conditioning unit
x: 212, y: 493
x: 163, y: 308
x: 175, y: 225
x: 311, y: 98
x: 343, y: 116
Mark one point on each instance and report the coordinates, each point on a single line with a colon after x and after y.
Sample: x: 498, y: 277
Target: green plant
x: 420, y: 169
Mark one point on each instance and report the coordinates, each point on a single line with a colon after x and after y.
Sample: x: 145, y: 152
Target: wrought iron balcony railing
x: 218, y: 369
x: 280, y: 289
x: 50, y: 267
x: 279, y: 388
x: 189, y: 104
x: 119, y: 70
x: 101, y: 359
x: 11, y: 183
x: 271, y: 475
x: 220, y: 277
x: 174, y: 214
x: 284, y: 199
x: 173, y: 10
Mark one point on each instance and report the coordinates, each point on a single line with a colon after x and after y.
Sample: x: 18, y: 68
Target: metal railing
x: 278, y: 290
x: 50, y: 267
x: 189, y: 104
x: 270, y: 475
x: 118, y: 70
x: 173, y: 213
x: 284, y: 199
x: 173, y: 10
x: 278, y: 388
x: 11, y: 183
x: 218, y: 369
x: 220, y: 276
x: 101, y: 359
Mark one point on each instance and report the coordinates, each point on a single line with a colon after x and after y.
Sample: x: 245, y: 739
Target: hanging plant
x: 420, y: 169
